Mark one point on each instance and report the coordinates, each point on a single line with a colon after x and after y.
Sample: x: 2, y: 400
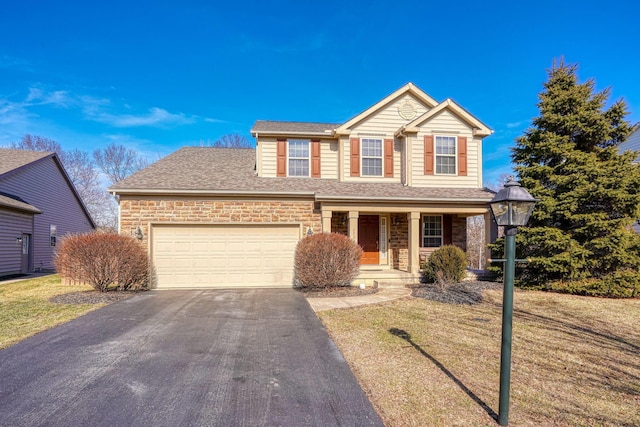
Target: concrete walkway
x: 384, y: 294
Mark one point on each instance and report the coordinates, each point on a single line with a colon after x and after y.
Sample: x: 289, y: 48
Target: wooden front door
x: 368, y: 238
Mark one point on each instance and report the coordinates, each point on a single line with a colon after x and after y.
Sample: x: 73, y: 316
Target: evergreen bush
x: 446, y: 266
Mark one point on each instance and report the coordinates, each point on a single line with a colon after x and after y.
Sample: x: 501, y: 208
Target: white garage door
x: 224, y: 256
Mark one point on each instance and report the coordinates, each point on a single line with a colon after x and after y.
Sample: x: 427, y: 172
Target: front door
x: 25, y: 264
x: 368, y: 238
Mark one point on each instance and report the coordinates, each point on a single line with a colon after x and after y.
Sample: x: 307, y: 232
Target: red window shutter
x: 388, y: 158
x: 447, y: 229
x: 462, y: 155
x: 281, y: 165
x: 429, y: 157
x: 355, y: 156
x: 315, y: 159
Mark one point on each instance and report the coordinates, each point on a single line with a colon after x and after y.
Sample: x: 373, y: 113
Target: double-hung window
x: 431, y: 231
x: 371, y: 157
x: 446, y: 155
x: 298, y: 157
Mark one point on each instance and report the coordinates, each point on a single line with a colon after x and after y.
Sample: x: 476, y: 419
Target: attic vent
x: 406, y: 110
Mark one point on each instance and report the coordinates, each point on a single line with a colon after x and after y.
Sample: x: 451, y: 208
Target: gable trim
x: 408, y: 88
x: 479, y: 128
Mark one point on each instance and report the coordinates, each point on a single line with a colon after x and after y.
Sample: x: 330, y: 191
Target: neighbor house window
x: 298, y: 157
x: 371, y: 157
x: 446, y: 155
x: 431, y: 231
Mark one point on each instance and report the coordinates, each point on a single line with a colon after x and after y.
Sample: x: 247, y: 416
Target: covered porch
x: 397, y: 238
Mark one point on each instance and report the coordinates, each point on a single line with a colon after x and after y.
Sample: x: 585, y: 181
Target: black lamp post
x: 511, y: 208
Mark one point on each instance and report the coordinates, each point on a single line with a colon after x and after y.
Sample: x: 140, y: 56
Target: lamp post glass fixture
x: 511, y: 207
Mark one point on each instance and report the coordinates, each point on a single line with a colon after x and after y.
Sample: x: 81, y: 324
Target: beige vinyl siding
x: 383, y: 125
x: 268, y: 157
x: 42, y: 185
x: 328, y: 157
x: 14, y: 224
x: 329, y: 154
x: 387, y: 121
x: 448, y: 124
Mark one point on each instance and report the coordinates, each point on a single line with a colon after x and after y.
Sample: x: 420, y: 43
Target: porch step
x: 385, y: 278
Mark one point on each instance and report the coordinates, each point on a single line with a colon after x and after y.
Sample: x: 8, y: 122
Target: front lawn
x: 576, y: 360
x: 25, y: 308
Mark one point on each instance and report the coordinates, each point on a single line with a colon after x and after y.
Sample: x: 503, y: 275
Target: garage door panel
x: 224, y: 256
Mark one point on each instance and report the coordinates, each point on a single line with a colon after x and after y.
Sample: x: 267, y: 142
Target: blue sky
x: 160, y: 75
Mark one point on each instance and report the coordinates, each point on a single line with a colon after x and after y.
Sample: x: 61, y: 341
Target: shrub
x: 446, y: 266
x: 621, y: 284
x: 102, y: 260
x: 326, y: 260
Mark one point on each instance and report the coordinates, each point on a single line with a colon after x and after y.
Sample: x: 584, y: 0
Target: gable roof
x: 11, y: 159
x: 478, y: 127
x: 311, y: 129
x: 14, y: 160
x: 271, y: 127
x: 409, y: 88
x: 230, y: 171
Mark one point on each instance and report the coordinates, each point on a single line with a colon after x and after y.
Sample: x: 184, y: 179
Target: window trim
x: 454, y: 155
x: 362, y: 156
x: 422, y: 231
x: 308, y: 158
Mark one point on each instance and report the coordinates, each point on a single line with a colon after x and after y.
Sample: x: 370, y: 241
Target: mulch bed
x: 92, y: 297
x: 467, y: 293
x: 345, y: 291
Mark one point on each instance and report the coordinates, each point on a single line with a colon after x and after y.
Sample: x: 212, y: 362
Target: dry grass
x: 25, y: 308
x: 576, y: 360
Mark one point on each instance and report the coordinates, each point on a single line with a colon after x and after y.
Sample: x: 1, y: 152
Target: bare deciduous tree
x: 85, y: 178
x: 118, y: 162
x: 476, y: 242
x: 38, y: 143
x: 230, y: 140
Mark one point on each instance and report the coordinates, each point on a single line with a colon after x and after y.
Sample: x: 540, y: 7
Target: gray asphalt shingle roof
x: 11, y: 159
x: 306, y: 128
x: 12, y: 202
x: 206, y: 169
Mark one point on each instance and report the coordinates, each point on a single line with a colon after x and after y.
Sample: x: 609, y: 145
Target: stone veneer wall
x: 399, y: 242
x: 140, y: 212
x: 339, y: 223
x: 459, y: 232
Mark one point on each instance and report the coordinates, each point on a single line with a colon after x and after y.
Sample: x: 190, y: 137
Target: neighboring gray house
x: 633, y: 144
x: 38, y: 206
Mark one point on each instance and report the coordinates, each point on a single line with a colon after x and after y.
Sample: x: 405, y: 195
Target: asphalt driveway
x: 256, y: 357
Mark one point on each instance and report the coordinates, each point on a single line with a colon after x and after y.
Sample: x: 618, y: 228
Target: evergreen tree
x: 579, y: 238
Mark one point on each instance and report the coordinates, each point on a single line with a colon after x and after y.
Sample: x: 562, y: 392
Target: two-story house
x: 400, y: 179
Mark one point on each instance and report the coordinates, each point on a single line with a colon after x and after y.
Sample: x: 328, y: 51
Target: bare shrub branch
x: 326, y: 260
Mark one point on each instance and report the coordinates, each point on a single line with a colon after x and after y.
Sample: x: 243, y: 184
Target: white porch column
x: 326, y: 221
x: 414, y: 242
x: 353, y: 225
